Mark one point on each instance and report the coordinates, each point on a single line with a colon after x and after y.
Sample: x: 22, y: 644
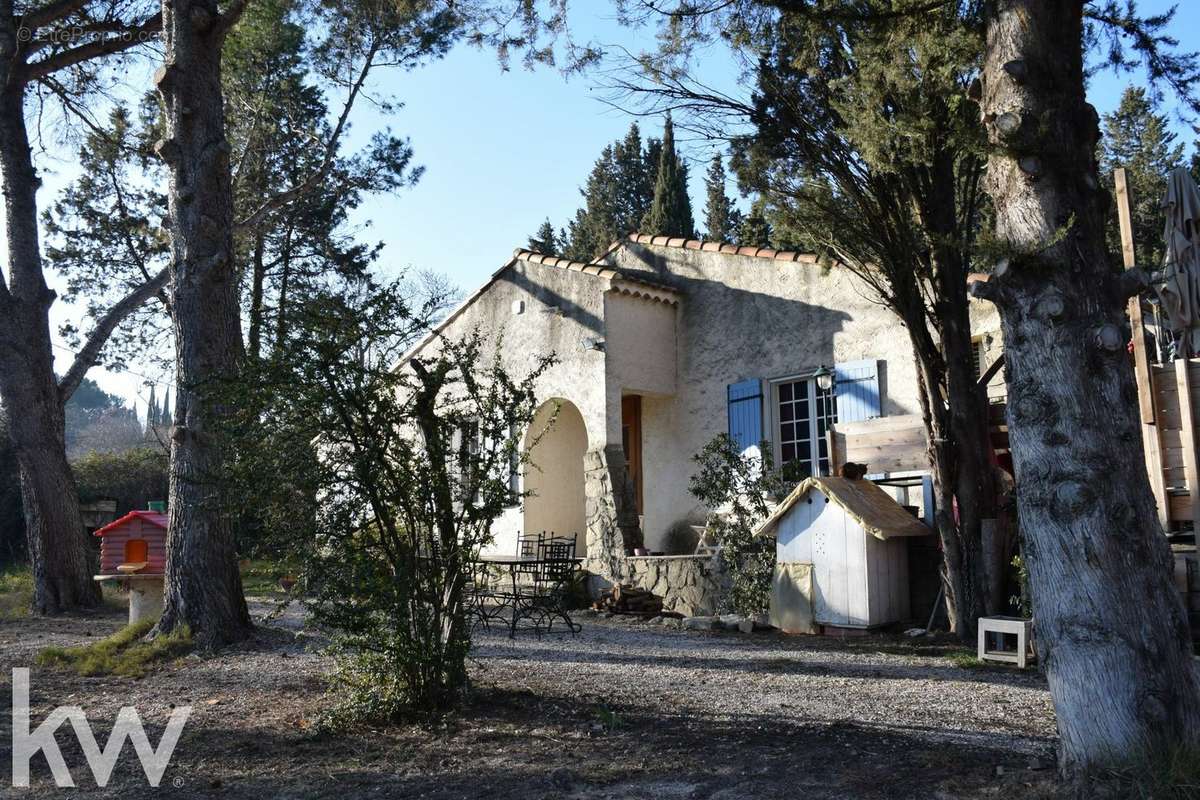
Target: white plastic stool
x: 1022, y: 628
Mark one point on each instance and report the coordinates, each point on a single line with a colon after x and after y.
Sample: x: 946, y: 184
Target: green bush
x: 132, y: 478
x: 412, y: 467
x: 738, y: 488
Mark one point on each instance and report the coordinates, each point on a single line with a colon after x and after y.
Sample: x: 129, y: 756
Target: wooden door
x: 631, y: 441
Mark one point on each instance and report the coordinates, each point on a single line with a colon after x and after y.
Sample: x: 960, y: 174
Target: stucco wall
x: 744, y: 317
x: 554, y: 476
x: 643, y: 359
x: 640, y: 344
x: 667, y: 468
x: 738, y: 317
x: 985, y: 325
x: 562, y: 311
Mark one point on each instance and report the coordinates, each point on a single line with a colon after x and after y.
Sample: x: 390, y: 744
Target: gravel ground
x: 873, y: 681
x: 623, y: 710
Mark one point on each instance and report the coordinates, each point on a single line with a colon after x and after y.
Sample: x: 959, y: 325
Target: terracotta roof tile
x: 628, y: 279
x: 723, y: 247
x: 153, y: 517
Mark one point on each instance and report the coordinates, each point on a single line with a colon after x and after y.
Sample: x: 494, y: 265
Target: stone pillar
x: 145, y: 597
x: 612, y: 522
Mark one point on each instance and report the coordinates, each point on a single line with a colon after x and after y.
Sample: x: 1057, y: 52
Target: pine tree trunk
x: 203, y: 587
x: 257, y: 279
x: 961, y: 548
x: 1112, y: 630
x: 58, y: 548
x: 961, y: 448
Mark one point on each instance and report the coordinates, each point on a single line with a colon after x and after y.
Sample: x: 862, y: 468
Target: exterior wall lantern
x: 824, y: 376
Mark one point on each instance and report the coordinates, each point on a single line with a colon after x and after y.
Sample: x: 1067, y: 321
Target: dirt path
x: 624, y: 710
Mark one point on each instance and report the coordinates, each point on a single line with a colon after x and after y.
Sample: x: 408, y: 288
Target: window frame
x: 772, y: 415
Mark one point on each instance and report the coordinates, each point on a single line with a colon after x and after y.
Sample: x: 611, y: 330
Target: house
x: 662, y: 344
x: 841, y: 556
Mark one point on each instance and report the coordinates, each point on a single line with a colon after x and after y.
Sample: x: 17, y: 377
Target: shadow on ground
x: 513, y: 744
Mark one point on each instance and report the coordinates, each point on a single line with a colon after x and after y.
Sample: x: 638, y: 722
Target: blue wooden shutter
x: 857, y: 390
x: 746, y: 414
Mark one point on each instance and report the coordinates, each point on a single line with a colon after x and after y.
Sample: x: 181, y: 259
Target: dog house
x: 841, y: 556
x: 134, y: 544
x: 133, y: 551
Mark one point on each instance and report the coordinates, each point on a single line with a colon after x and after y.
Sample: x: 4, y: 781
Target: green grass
x: 124, y: 653
x: 261, y: 577
x: 610, y: 719
x: 964, y: 659
x: 16, y: 592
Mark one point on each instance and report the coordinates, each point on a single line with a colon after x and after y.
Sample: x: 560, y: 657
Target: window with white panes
x: 803, y: 413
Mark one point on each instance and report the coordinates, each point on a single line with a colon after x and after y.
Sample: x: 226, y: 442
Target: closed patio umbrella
x: 1180, y: 292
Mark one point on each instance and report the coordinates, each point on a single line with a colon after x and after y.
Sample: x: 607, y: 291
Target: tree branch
x: 231, y: 15
x: 331, y: 148
x: 40, y: 17
x: 89, y: 356
x: 119, y: 41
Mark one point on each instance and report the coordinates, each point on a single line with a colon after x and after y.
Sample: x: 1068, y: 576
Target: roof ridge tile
x: 714, y: 246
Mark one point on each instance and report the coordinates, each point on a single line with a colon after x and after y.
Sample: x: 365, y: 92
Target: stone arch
x: 555, y: 477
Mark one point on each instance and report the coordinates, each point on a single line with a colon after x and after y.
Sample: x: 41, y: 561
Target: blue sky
x: 504, y: 150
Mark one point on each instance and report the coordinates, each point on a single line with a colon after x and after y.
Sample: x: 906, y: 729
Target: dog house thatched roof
x: 873, y: 508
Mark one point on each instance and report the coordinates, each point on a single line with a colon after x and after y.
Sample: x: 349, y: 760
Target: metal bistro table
x: 541, y: 599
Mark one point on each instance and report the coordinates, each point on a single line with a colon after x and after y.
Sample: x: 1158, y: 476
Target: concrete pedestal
x: 145, y: 594
x: 145, y: 597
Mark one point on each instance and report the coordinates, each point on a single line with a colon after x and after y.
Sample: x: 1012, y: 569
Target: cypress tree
x: 544, y: 240
x: 670, y: 212
x: 634, y: 181
x: 165, y: 414
x: 151, y: 413
x: 754, y: 230
x: 595, y: 226
x: 650, y: 157
x: 1138, y: 139
x: 719, y: 213
x: 617, y: 196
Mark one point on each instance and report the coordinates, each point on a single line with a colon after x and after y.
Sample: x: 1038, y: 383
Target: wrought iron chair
x: 556, y: 570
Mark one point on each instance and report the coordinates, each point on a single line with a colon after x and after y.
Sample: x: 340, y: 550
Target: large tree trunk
x: 203, y: 587
x: 1112, y: 630
x: 58, y: 548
